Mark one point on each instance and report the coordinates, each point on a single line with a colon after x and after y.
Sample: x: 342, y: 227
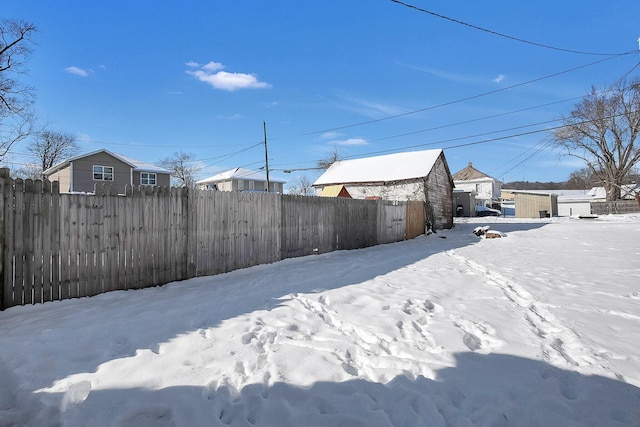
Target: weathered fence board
x: 59, y: 246
x: 617, y: 207
x: 415, y: 224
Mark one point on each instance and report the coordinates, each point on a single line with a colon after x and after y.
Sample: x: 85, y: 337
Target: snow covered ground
x: 539, y: 328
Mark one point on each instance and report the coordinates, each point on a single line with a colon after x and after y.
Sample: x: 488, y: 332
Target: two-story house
x: 485, y: 189
x: 82, y: 173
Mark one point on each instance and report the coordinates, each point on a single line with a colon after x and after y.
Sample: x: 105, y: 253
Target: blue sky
x: 150, y: 78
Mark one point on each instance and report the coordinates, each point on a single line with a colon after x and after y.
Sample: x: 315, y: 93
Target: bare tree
x: 28, y: 171
x: 301, y: 186
x: 582, y: 179
x: 602, y: 130
x: 51, y: 147
x: 331, y: 158
x: 16, y: 99
x: 182, y: 167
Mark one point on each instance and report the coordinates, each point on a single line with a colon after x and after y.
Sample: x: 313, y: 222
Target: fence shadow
x: 130, y: 321
x: 494, y: 389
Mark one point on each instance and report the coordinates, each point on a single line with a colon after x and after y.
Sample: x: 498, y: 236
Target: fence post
x: 5, y: 184
x: 189, y: 207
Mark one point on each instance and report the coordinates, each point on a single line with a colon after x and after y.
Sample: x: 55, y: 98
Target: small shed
x: 530, y: 204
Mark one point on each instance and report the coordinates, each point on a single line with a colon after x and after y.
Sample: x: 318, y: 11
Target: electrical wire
x: 468, y: 98
x: 495, y: 33
x: 493, y: 116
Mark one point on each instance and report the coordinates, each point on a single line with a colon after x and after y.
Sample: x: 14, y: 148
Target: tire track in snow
x: 559, y: 342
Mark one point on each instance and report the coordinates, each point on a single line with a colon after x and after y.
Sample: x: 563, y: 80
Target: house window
x: 240, y: 185
x: 103, y: 173
x: 147, y: 178
x: 251, y: 185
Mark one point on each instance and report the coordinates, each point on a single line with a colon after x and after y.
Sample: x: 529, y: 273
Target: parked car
x: 485, y: 211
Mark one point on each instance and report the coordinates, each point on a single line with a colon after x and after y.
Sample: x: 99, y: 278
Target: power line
x: 493, y: 116
x: 468, y: 98
x: 495, y: 33
x: 542, y: 147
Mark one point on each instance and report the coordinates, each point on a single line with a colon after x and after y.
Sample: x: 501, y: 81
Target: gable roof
x: 469, y: 173
x: 137, y: 165
x: 335, y: 191
x: 238, y: 173
x: 390, y: 167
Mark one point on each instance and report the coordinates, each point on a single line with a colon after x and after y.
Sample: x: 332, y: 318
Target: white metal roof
x: 390, y: 167
x: 238, y: 173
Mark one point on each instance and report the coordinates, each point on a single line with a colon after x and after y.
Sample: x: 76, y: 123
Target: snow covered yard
x: 539, y: 328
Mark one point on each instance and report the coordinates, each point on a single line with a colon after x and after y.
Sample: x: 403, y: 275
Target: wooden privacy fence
x: 58, y: 246
x: 617, y: 207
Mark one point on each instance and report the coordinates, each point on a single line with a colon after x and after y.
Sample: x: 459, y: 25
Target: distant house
x: 82, y: 173
x: 570, y: 202
x: 241, y: 179
x: 485, y: 189
x: 416, y: 175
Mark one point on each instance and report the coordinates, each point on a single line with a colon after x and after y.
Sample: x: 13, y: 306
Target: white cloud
x: 77, y: 71
x: 210, y: 73
x: 330, y: 135
x: 368, y: 108
x: 351, y: 141
x: 499, y: 79
x: 212, y: 66
x: 231, y: 117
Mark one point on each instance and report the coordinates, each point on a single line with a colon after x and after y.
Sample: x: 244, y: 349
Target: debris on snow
x: 488, y: 233
x: 480, y: 231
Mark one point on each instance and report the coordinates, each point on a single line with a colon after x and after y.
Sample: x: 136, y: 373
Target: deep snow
x: 538, y: 328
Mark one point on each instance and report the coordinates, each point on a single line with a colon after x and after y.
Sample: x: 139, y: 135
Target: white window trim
x: 149, y: 175
x: 103, y: 173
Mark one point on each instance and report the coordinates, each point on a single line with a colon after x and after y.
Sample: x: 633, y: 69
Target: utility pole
x: 266, y: 155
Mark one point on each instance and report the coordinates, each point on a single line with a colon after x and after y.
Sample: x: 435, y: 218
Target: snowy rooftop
x: 136, y: 164
x: 140, y: 165
x: 238, y: 173
x: 390, y: 167
x: 469, y: 174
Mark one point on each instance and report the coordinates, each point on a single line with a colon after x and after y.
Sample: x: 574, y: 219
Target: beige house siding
x: 63, y: 177
x: 530, y: 205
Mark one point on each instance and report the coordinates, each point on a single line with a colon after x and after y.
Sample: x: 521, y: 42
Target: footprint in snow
x: 478, y: 336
